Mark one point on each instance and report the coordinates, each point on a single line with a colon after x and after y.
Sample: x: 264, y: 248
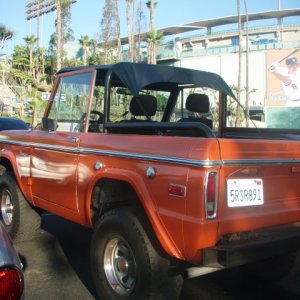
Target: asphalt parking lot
x: 57, y: 267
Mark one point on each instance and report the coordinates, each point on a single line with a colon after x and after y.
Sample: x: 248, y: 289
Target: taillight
x: 11, y: 284
x: 211, y: 193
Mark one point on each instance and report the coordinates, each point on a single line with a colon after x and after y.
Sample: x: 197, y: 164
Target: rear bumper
x: 263, y: 244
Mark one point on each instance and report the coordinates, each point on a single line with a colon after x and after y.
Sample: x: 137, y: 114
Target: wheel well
x: 5, y: 165
x: 110, y: 193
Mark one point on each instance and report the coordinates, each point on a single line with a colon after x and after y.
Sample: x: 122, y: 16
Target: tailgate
x: 259, y: 184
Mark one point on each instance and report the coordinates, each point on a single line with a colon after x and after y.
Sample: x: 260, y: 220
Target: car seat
x: 197, y: 104
x: 143, y: 105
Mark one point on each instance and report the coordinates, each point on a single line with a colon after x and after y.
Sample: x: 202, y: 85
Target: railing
x: 230, y: 32
x: 168, y: 50
x: 164, y: 55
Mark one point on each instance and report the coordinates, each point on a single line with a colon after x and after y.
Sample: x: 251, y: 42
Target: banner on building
x: 283, y: 88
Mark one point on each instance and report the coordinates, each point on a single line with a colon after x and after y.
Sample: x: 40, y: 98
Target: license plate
x: 245, y: 192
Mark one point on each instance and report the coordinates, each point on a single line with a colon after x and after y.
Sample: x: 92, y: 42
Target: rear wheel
x: 125, y: 264
x: 18, y: 217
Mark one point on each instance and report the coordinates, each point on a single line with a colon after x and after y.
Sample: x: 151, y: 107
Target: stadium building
x: 213, y: 45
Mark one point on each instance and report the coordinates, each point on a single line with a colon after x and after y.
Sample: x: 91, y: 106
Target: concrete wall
x: 226, y: 65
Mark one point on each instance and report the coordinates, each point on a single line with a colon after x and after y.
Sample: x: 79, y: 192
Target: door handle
x: 73, y: 139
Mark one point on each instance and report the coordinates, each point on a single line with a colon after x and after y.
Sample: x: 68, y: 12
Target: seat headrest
x: 198, y: 103
x: 143, y: 105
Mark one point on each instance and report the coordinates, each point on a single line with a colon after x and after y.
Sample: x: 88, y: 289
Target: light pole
x: 37, y: 8
x: 247, y: 66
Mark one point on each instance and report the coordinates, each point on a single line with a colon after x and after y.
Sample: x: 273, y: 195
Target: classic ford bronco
x: 149, y: 157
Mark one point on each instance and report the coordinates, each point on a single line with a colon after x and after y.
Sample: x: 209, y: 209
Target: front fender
x: 19, y: 163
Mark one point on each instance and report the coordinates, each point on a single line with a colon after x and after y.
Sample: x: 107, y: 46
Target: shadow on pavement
x: 59, y: 262
x: 74, y: 241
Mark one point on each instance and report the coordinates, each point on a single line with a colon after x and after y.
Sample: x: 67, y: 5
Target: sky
x: 86, y: 16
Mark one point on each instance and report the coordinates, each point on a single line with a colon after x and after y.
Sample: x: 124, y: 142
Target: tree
x: 37, y: 105
x: 118, y: 30
x: 63, y: 32
x: 140, y: 28
x: 151, y: 5
x: 235, y: 109
x: 67, y: 31
x: 20, y: 58
x: 153, y: 37
x: 30, y: 41
x: 21, y: 67
x: 85, y: 42
x: 59, y: 47
x: 5, y: 34
x: 36, y: 59
x: 40, y: 64
x: 96, y: 56
x: 130, y: 20
x: 110, y: 30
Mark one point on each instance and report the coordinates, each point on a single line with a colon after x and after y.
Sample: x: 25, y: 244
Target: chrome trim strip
x: 168, y: 159
x: 152, y: 157
x: 215, y: 212
x: 261, y: 161
x: 132, y: 155
x: 40, y: 145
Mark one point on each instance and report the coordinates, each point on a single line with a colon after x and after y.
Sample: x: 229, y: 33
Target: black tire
x: 272, y: 269
x: 124, y: 263
x: 18, y: 216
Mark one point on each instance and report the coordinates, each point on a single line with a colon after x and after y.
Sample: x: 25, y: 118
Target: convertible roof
x: 136, y: 76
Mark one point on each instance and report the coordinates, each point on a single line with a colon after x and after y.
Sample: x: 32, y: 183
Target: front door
x: 54, y: 162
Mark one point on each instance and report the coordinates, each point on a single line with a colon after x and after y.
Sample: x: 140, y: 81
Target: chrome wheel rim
x: 119, y: 266
x: 7, y: 208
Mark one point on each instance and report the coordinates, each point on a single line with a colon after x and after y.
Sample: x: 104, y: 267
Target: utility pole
x: 279, y: 22
x: 238, y: 108
x: 247, y: 66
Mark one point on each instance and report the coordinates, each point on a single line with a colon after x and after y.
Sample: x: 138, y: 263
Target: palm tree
x: 41, y: 55
x: 140, y: 19
x: 20, y: 58
x: 130, y: 20
x: 118, y: 30
x: 153, y: 38
x: 61, y: 12
x: 37, y: 105
x: 151, y: 5
x: 59, y: 46
x: 85, y: 42
x: 110, y: 31
x: 20, y: 71
x: 39, y: 63
x: 30, y: 41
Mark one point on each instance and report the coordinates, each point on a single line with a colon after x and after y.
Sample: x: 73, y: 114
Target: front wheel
x: 20, y: 220
x: 124, y: 263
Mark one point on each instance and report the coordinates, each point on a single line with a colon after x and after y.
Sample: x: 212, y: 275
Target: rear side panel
x: 275, y: 165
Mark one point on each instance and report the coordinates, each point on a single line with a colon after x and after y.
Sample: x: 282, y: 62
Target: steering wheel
x: 93, y: 122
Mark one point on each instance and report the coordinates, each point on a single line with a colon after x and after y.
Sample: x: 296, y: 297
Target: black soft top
x: 137, y: 76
